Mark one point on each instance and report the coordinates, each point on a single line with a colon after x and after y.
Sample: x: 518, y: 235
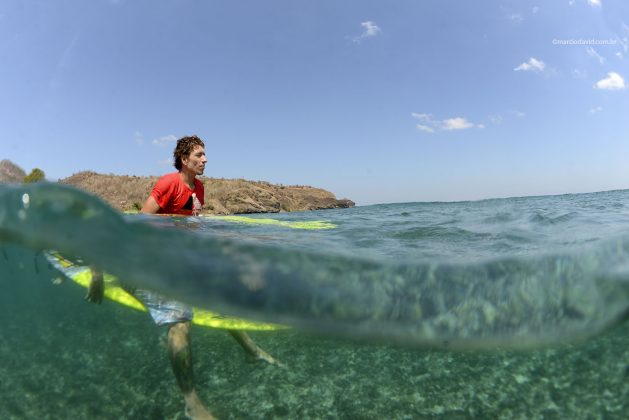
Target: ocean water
x: 506, y: 308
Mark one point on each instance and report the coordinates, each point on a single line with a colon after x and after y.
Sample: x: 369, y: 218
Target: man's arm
x: 150, y: 206
x: 96, y: 288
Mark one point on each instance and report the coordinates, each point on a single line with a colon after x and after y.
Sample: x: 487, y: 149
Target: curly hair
x: 184, y: 147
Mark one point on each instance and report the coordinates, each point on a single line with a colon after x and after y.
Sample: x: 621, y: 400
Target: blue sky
x: 376, y: 101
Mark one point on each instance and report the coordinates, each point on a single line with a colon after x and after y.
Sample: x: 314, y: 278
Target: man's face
x: 196, y: 161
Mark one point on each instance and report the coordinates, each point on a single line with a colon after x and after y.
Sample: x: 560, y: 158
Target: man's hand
x: 96, y: 289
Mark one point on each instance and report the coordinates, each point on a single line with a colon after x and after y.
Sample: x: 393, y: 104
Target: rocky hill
x: 222, y: 196
x: 10, y: 172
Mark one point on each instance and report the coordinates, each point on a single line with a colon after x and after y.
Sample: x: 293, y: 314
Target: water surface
x: 543, y: 274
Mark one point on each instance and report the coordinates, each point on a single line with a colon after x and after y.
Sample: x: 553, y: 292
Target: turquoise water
x: 497, y: 308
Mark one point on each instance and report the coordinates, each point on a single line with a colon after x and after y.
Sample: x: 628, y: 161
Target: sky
x: 375, y: 101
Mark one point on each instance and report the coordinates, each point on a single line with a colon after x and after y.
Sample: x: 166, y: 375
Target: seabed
x: 70, y: 359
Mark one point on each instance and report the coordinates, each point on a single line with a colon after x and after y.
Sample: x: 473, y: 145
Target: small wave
x: 543, y: 219
x: 502, y: 217
x: 440, y: 233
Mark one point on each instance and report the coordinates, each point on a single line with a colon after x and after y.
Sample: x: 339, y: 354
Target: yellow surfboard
x: 306, y: 224
x: 82, y: 276
x: 246, y: 220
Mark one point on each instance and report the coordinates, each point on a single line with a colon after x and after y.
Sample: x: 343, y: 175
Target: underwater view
x: 504, y: 308
x: 293, y: 209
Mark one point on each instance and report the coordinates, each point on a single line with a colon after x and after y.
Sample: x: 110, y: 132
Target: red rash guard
x: 174, y: 196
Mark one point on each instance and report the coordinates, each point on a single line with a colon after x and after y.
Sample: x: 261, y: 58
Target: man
x: 179, y: 193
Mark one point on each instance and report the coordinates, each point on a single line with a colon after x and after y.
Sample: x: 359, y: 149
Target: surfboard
x: 307, y: 224
x: 246, y: 220
x: 82, y: 276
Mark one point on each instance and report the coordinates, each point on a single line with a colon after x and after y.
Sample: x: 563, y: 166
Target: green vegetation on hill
x: 36, y: 175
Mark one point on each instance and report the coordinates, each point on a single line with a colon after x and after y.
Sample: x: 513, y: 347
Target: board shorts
x: 164, y: 311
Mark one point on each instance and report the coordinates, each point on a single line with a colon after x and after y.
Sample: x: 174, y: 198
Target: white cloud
x: 535, y: 9
x: 165, y: 139
x: 422, y: 117
x: 431, y: 125
x: 595, y: 3
x: 592, y: 53
x: 613, y: 81
x: 456, y: 123
x: 596, y: 110
x: 571, y: 2
x: 370, y: 30
x: 532, y: 65
x: 425, y: 128
x: 519, y: 114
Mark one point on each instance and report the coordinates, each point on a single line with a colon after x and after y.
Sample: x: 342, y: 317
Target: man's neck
x: 187, y: 178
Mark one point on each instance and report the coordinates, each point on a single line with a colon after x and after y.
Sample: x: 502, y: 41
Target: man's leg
x: 181, y: 361
x: 252, y: 348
